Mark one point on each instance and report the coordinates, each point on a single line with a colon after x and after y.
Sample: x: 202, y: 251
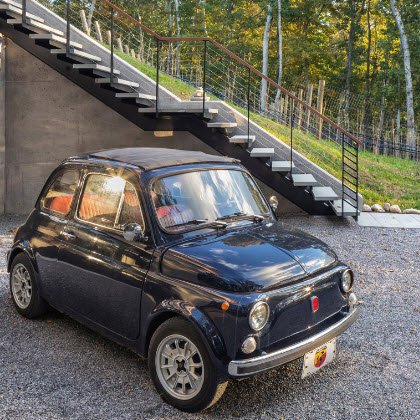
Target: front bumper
x: 249, y: 367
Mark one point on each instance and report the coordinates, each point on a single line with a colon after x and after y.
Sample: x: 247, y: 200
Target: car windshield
x: 196, y: 198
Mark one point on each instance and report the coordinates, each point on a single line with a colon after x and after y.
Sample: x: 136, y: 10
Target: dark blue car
x: 178, y: 256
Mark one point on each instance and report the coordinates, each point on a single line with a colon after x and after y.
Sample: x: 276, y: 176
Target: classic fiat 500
x: 179, y: 256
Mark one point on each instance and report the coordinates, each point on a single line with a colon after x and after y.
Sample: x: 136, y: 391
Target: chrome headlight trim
x: 342, y: 286
x: 254, y: 307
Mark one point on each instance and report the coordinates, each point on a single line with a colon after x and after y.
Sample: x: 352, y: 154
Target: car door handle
x: 69, y: 235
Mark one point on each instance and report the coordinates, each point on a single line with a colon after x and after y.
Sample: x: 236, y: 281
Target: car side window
x: 109, y: 201
x: 61, y: 192
x: 100, y: 200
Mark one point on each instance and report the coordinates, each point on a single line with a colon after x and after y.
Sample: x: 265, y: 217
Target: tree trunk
x: 411, y: 135
x: 367, y: 104
x: 263, y: 98
x: 203, y: 9
x: 178, y: 34
x: 92, y: 9
x: 280, y: 36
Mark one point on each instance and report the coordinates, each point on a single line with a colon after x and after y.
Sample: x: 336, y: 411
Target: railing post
x: 112, y: 45
x: 292, y: 120
x: 357, y: 181
x: 204, y: 78
x: 342, y: 175
x: 248, y: 98
x: 24, y: 12
x: 157, y: 76
x: 68, y: 28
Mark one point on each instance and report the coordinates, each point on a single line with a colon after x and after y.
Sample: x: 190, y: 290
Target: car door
x: 53, y: 210
x: 104, y: 273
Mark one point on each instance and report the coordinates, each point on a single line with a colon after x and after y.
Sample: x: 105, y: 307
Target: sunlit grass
x: 381, y: 178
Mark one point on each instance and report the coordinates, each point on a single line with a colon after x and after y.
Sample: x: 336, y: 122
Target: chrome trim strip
x: 248, y: 367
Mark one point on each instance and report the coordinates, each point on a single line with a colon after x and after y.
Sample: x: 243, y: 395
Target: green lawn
x: 381, y: 178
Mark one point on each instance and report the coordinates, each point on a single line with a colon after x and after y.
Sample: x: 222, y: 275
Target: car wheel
x: 24, y: 289
x: 181, y: 368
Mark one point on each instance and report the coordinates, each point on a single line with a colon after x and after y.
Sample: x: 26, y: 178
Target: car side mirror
x: 133, y: 233
x: 274, y: 202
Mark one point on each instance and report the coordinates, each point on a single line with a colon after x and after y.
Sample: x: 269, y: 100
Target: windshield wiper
x: 198, y: 222
x: 240, y: 215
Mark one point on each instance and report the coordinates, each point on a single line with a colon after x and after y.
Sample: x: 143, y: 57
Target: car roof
x: 149, y: 158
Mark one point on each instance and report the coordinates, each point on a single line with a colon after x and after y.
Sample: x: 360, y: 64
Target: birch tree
x: 280, y: 37
x: 203, y: 10
x: 91, y: 10
x: 411, y: 135
x: 266, y: 39
x: 178, y: 34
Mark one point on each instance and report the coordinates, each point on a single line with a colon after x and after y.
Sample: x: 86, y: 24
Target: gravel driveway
x: 54, y: 368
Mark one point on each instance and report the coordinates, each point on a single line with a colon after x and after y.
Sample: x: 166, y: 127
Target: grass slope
x: 381, y: 178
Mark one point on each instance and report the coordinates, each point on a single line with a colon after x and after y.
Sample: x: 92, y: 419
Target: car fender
x: 19, y: 247
x: 203, y: 324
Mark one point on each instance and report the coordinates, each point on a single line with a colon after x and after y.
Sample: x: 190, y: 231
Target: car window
x: 101, y: 199
x: 130, y: 208
x: 60, y: 194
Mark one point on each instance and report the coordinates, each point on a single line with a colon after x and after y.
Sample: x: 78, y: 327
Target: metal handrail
x: 236, y: 58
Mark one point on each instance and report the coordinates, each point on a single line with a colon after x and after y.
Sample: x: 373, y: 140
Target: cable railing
x: 300, y: 131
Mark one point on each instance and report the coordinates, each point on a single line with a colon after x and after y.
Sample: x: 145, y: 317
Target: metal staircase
x: 275, y: 163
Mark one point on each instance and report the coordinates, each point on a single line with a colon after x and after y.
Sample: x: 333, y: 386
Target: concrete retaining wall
x: 48, y: 118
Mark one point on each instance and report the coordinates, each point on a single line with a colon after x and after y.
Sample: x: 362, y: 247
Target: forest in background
x: 354, y: 45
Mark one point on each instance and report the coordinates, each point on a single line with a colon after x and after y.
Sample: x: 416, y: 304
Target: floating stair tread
x: 93, y: 66
x: 262, y: 152
x: 116, y: 81
x: 349, y: 210
x: 242, y: 139
x: 135, y: 95
x: 324, y: 194
x: 52, y: 37
x: 173, y: 110
x: 304, y: 180
x: 282, y: 165
x: 14, y: 10
x: 222, y: 125
x: 33, y: 25
x: 77, y: 53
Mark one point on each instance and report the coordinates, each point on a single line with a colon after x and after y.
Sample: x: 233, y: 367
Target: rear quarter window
x: 60, y: 194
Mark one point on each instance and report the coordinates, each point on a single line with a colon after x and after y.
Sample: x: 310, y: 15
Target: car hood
x: 247, y: 259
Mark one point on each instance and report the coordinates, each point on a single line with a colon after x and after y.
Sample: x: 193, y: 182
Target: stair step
x: 222, y: 125
x: 262, y: 152
x: 349, y: 210
x: 94, y: 66
x: 135, y: 95
x: 55, y: 39
x: 15, y: 12
x: 116, y: 81
x: 281, y: 166
x: 76, y: 53
x: 35, y: 26
x: 242, y: 139
x: 175, y: 110
x: 324, y: 194
x: 304, y: 180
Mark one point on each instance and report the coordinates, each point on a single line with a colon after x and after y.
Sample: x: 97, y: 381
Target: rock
x: 198, y: 95
x: 366, y: 208
x: 412, y: 211
x: 378, y: 208
x: 387, y: 206
x: 395, y: 209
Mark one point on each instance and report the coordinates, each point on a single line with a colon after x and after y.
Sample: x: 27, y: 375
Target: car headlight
x: 346, y: 282
x: 258, y: 316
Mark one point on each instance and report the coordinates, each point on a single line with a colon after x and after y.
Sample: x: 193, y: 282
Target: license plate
x: 318, y: 358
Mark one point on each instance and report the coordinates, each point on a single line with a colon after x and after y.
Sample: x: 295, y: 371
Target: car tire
x: 188, y: 380
x: 24, y: 288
